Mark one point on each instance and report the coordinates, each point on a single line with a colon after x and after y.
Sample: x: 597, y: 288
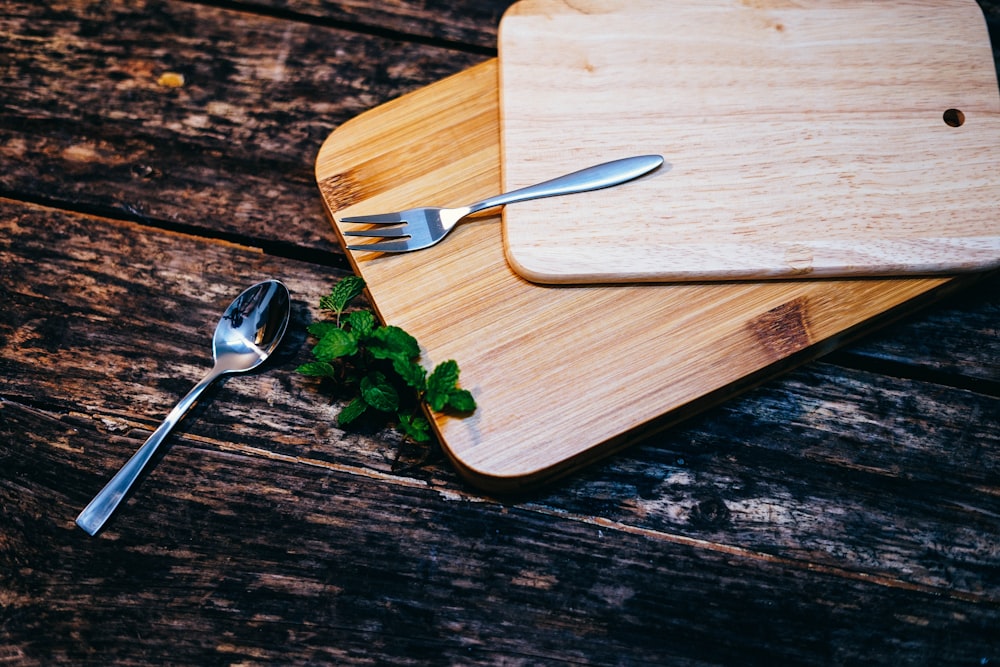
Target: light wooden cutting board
x: 806, y: 139
x: 562, y: 374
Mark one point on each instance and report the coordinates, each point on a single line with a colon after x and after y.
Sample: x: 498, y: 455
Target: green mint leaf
x: 334, y: 344
x: 461, y: 400
x: 437, y: 401
x: 412, y: 373
x: 346, y: 348
x: 345, y: 290
x: 378, y: 393
x: 320, y: 329
x: 316, y: 369
x: 388, y: 342
x: 352, y: 411
x: 362, y: 323
x: 445, y: 376
x: 415, y: 427
x: 441, y: 384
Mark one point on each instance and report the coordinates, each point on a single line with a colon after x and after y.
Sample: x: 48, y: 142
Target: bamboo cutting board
x: 806, y: 139
x: 564, y: 374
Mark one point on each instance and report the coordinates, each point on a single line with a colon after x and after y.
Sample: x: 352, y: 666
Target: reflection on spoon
x: 247, y: 334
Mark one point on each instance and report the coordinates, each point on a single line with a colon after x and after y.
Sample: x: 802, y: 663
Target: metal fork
x: 418, y: 228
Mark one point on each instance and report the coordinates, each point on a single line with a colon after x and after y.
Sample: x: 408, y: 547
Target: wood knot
x: 784, y: 329
x: 710, y: 512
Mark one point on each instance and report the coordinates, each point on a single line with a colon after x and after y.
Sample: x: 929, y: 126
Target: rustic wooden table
x: 157, y: 157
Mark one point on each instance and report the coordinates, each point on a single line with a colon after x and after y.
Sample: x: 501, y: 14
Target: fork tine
x: 378, y: 219
x: 391, y: 232
x: 383, y: 246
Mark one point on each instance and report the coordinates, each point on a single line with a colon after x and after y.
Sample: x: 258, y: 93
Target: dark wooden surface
x: 846, y: 513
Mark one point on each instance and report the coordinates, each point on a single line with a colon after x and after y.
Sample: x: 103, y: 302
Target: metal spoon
x: 247, y: 334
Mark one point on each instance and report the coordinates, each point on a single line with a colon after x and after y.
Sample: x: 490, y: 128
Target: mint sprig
x: 341, y: 295
x: 379, y: 366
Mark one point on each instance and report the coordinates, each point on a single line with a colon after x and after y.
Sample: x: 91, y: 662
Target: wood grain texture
x: 265, y: 534
x: 919, y: 344
x: 469, y: 25
x: 216, y: 587
x: 257, y: 94
x: 561, y: 375
x: 823, y: 446
x: 805, y: 139
x: 845, y: 513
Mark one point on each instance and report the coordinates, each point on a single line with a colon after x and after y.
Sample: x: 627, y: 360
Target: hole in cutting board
x: 953, y: 118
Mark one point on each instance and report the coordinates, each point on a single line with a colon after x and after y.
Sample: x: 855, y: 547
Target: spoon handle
x: 97, y: 512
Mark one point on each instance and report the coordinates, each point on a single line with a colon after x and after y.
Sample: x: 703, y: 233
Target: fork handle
x: 592, y: 178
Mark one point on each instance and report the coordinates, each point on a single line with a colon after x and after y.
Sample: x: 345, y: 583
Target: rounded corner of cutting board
x: 506, y: 477
x: 528, y: 268
x: 321, y: 164
x: 353, y: 138
x: 325, y: 164
x: 522, y: 7
x: 501, y: 484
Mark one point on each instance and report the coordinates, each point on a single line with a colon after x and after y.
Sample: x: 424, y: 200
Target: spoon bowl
x: 249, y: 331
x: 252, y: 327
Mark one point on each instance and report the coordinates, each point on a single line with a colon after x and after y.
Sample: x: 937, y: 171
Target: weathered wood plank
x: 955, y: 342
x: 837, y: 516
x: 840, y: 468
x: 470, y: 24
x: 124, y: 315
x: 185, y: 115
x: 263, y: 560
x: 105, y: 340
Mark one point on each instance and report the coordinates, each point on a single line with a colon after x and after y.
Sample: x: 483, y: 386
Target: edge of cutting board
x: 544, y: 413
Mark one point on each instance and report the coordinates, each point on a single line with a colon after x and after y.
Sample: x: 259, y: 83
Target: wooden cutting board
x: 562, y: 374
x: 806, y: 139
